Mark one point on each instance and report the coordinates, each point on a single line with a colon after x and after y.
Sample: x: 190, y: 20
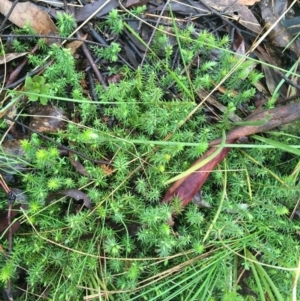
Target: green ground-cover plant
x: 126, y: 247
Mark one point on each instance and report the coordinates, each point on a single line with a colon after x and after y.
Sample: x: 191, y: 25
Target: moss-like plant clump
x: 128, y: 241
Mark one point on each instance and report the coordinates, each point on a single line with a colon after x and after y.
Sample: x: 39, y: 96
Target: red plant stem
x: 4, y: 186
x: 13, y: 76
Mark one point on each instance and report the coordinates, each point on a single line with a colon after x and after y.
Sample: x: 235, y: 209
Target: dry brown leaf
x: 237, y: 11
x: 28, y: 13
x: 78, y: 166
x: 239, y: 43
x: 108, y: 171
x: 248, y: 2
x: 74, y: 194
x: 239, y: 47
x: 77, y: 195
x: 10, y: 112
x: 10, y: 151
x: 76, y: 44
x: 47, y: 119
x: 115, y: 78
x: 132, y: 3
x: 279, y: 35
x: 56, y: 3
x: 272, y: 77
x: 11, y: 56
x: 85, y: 12
x: 2, y: 250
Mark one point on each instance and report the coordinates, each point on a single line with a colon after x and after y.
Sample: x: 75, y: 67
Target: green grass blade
x: 202, y: 163
x: 258, y: 283
x: 271, y: 284
x: 278, y: 145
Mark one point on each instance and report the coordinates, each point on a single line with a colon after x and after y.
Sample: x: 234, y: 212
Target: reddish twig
x: 13, y: 76
x: 272, y: 118
x: 187, y: 187
x: 92, y: 63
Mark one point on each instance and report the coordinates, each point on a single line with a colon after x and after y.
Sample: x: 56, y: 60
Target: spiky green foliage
x: 127, y: 243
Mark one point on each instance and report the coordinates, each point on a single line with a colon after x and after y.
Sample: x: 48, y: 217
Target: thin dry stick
x: 295, y: 283
x: 92, y: 62
x: 294, y: 210
x: 8, y: 14
x: 154, y: 31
